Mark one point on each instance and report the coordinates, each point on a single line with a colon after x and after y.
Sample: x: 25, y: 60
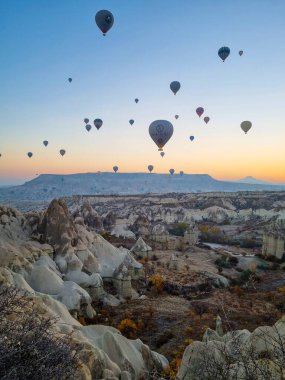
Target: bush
x: 212, y: 234
x: 158, y: 282
x: 30, y: 349
x: 128, y: 328
x: 245, y: 275
x: 179, y: 229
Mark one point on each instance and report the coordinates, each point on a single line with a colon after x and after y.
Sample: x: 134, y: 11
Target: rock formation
x: 141, y: 249
x: 274, y: 240
x: 236, y: 355
x: 60, y: 263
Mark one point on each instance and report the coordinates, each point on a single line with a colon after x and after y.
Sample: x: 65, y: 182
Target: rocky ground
x: 79, y: 258
x: 189, y: 301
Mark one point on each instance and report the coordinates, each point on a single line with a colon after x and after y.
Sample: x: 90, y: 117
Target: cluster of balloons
x: 45, y: 143
x: 200, y: 111
x: 97, y: 122
x: 225, y: 51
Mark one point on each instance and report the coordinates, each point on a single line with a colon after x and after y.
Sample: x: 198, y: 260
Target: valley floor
x: 180, y: 309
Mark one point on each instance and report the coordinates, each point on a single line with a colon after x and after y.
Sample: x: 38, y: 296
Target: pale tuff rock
x: 174, y: 263
x: 104, y: 351
x: 122, y: 281
x: 217, y: 278
x: 274, y: 240
x: 141, y: 249
x: 242, y: 349
x: 122, y: 231
x: 70, y: 267
x: 89, y: 217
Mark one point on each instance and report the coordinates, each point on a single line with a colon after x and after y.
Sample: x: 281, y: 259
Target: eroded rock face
x: 57, y: 228
x: 90, y: 217
x: 236, y: 355
x: 104, y: 352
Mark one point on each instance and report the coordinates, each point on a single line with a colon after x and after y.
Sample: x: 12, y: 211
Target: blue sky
x: 151, y: 43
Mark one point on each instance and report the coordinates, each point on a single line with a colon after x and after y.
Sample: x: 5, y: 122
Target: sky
x: 152, y: 43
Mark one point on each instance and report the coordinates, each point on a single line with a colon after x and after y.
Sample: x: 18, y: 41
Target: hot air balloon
x: 176, y: 117
x: 136, y: 100
x: 131, y: 121
x: 104, y: 20
x: 175, y: 87
x: 86, y: 120
x: 162, y: 154
x: 88, y: 127
x: 115, y: 168
x: 62, y: 152
x: 224, y: 52
x: 245, y: 126
x: 150, y: 168
x: 200, y: 111
x: 45, y: 142
x: 240, y: 52
x: 30, y: 154
x: 69, y: 80
x: 171, y: 171
x: 160, y: 131
x: 181, y: 172
x: 98, y: 123
x: 192, y: 138
x: 206, y: 119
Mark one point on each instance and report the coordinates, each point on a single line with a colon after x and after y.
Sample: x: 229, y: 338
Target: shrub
x: 30, y: 349
x: 128, y: 328
x: 158, y: 282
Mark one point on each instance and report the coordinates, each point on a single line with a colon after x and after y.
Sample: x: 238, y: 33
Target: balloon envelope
x: 136, y: 100
x: 192, y: 138
x: 162, y: 154
x: 104, y: 20
x: 175, y: 86
x: 30, y: 154
x: 200, y: 111
x: 131, y: 121
x: 206, y: 119
x: 115, y: 168
x: 86, y: 120
x: 171, y: 171
x: 176, y: 117
x: 150, y: 168
x: 98, y: 123
x: 240, y: 52
x: 45, y: 142
x: 62, y: 152
x: 160, y: 131
x: 224, y: 52
x: 88, y: 127
x: 245, y: 126
x: 69, y: 80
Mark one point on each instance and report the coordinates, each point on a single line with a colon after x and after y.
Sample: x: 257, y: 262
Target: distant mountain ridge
x: 255, y: 181
x: 46, y: 187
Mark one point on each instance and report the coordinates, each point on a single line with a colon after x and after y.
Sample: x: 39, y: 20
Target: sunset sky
x: 152, y: 43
